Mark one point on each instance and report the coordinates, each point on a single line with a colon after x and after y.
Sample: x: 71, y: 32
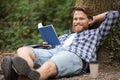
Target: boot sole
x: 6, y: 67
x: 23, y: 69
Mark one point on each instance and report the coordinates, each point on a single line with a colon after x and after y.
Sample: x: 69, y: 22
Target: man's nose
x: 78, y: 21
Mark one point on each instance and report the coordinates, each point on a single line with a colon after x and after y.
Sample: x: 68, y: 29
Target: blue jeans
x: 67, y: 62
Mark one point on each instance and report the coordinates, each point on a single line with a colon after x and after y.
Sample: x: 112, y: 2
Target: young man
x: 67, y: 58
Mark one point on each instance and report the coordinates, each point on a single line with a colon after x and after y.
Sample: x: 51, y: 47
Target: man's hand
x: 99, y: 17
x: 46, y: 44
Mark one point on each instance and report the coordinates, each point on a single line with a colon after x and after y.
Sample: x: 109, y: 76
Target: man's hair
x: 86, y: 10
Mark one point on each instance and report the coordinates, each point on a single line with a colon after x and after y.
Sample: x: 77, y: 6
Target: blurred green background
x: 19, y: 19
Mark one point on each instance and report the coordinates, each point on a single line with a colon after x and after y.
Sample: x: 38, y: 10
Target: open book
x: 48, y: 34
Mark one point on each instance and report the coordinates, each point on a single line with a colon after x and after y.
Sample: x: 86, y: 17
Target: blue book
x: 48, y: 34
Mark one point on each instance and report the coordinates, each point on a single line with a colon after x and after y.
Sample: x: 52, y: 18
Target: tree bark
x: 100, y: 6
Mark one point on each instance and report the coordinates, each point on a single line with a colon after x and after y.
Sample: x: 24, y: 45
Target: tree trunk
x: 100, y: 6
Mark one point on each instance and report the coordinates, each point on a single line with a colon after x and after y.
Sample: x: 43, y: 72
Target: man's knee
x: 24, y: 51
x: 51, y: 67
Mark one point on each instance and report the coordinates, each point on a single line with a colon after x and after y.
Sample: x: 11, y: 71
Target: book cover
x: 48, y: 34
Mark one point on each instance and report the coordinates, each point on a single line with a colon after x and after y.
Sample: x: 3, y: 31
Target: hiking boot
x: 24, y: 69
x: 6, y: 66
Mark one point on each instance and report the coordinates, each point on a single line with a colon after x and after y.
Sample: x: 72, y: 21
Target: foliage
x: 113, y: 43
x: 6, y: 7
x: 15, y: 37
x: 19, y: 20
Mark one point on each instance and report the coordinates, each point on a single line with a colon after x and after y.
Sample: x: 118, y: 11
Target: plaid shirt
x: 86, y: 43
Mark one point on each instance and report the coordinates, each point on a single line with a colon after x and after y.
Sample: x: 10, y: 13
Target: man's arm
x: 99, y: 17
x: 109, y: 20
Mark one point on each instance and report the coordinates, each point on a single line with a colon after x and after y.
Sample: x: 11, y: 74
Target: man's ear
x: 91, y: 21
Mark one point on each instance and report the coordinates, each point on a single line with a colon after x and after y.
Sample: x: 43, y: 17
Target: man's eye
x: 75, y: 18
x: 81, y: 18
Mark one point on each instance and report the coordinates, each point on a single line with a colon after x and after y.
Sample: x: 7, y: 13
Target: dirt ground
x: 106, y: 72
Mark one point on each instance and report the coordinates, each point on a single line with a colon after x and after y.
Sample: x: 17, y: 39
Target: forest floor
x: 107, y: 71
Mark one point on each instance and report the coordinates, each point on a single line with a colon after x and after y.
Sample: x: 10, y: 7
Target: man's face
x: 80, y: 21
